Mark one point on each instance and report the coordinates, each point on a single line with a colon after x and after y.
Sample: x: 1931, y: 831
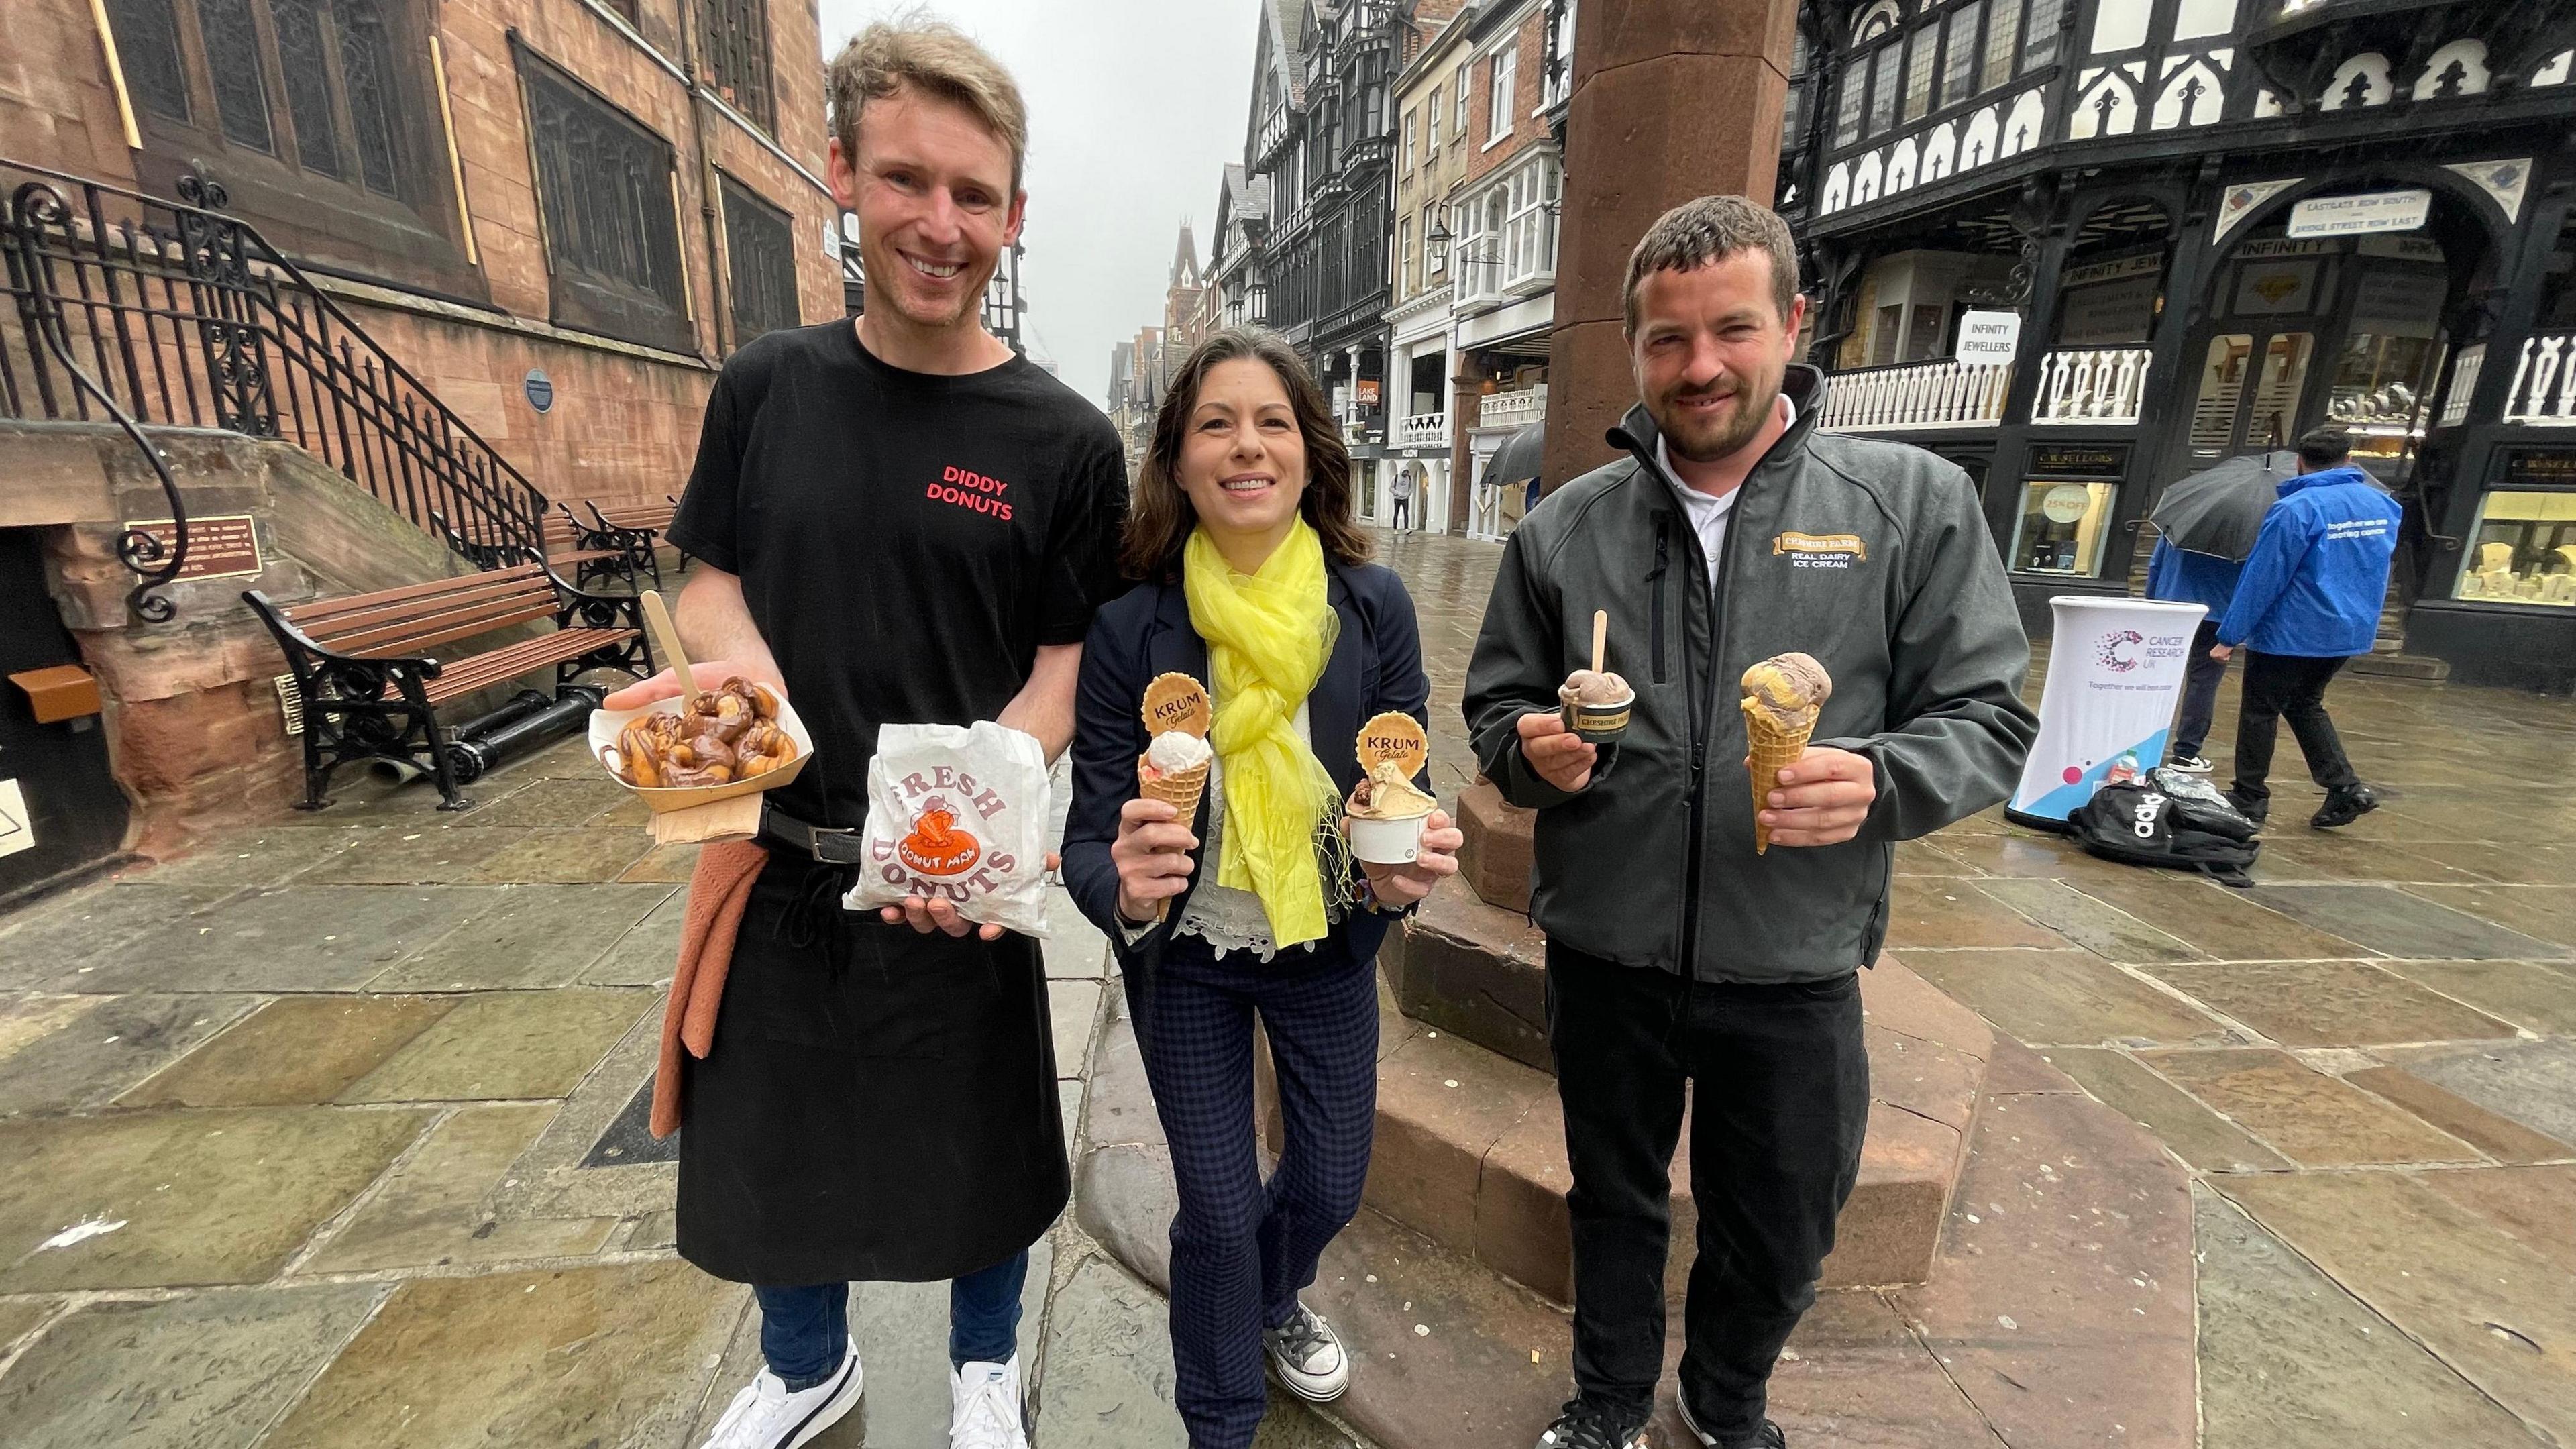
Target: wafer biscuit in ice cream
x: 1174, y: 767
x: 1783, y: 695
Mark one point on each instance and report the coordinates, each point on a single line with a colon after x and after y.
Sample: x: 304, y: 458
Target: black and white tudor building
x: 2219, y: 222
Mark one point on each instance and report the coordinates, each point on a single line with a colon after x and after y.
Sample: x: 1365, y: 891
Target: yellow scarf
x: 1268, y: 635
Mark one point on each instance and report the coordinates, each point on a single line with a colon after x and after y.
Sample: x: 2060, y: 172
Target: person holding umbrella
x: 2309, y: 599
x: 2205, y: 525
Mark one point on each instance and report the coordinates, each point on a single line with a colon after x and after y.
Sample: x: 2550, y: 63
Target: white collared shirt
x: 1708, y: 513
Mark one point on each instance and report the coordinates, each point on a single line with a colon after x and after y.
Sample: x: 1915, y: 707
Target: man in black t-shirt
x: 900, y: 522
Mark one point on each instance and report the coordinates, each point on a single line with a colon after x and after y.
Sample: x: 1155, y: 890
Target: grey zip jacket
x: 1872, y: 556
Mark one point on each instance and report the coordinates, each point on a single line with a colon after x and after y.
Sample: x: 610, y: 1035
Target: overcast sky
x: 1135, y: 106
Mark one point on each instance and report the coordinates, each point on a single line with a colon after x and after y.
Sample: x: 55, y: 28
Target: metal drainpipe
x: 710, y: 191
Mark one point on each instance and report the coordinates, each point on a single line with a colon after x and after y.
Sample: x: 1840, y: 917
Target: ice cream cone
x: 1181, y: 790
x: 1773, y: 745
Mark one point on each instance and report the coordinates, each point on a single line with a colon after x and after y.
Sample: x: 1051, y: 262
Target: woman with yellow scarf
x: 1256, y: 582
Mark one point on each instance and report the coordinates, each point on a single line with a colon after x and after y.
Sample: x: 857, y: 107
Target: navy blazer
x: 1376, y: 667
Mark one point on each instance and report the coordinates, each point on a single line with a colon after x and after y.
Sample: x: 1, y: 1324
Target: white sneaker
x: 1308, y: 1357
x: 766, y: 1416
x: 984, y: 1407
x: 2191, y: 764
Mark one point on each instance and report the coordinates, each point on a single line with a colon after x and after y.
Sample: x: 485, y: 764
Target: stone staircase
x: 1450, y: 1288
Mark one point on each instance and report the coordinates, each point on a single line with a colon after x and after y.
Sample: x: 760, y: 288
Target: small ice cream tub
x: 1381, y: 841
x: 1598, y: 722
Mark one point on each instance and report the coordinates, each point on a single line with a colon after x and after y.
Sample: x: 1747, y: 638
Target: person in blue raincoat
x: 2309, y: 599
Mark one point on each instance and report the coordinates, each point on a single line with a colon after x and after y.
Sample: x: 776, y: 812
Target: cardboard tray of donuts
x: 700, y: 761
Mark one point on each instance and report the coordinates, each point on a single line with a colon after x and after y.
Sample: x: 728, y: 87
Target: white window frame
x: 1404, y: 254
x: 1431, y: 112
x: 1408, y: 140
x: 1465, y: 81
x: 1529, y: 226
x: 1503, y: 75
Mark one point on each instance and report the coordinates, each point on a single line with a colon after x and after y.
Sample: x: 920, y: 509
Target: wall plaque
x: 223, y: 546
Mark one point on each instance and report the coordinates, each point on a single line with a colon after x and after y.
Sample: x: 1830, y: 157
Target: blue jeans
x: 805, y: 1332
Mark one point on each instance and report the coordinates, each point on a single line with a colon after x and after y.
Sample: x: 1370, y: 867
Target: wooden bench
x: 636, y: 528
x: 572, y: 547
x: 373, y: 674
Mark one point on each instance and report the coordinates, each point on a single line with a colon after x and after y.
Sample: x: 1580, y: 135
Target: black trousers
x: 1779, y: 1101
x: 2291, y: 686
x: 2200, y: 681
x: 1400, y: 506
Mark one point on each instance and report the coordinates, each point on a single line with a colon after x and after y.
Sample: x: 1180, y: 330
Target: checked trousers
x: 1243, y: 1249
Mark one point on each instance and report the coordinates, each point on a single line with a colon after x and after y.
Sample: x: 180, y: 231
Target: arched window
x: 1876, y: 21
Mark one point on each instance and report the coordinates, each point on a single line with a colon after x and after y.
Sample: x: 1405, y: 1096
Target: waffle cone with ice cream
x: 1174, y: 767
x: 1782, y: 697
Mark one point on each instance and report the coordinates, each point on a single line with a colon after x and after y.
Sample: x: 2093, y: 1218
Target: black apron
x: 879, y: 1105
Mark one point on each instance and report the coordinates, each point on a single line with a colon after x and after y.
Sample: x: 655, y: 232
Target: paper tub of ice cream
x: 1386, y: 811
x: 1596, y: 705
x: 607, y: 725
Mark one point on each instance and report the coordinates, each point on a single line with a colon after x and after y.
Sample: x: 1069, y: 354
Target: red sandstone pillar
x: 1672, y: 99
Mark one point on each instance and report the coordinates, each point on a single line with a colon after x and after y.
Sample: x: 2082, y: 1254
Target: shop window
x: 761, y: 248
x: 2063, y: 527
x: 1884, y: 336
x: 2274, y: 423
x: 2525, y: 550
x: 1924, y: 335
x: 733, y: 50
x: 2222, y: 386
x: 1959, y: 77
x: 607, y: 203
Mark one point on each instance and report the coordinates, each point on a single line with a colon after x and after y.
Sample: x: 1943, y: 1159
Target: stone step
x: 1471, y: 1144
x: 2032, y: 1331
x: 2387, y: 665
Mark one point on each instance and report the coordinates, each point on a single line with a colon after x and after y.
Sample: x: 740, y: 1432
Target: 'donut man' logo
x: 936, y: 847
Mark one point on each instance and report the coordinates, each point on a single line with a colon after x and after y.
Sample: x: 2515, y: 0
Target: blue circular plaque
x: 540, y: 389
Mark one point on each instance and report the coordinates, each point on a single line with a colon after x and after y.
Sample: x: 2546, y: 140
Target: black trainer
x: 2343, y: 806
x: 1594, y: 1426
x: 1768, y: 1437
x: 2251, y: 810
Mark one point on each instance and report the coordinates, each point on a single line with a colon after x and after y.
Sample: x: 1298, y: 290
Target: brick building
x: 497, y: 250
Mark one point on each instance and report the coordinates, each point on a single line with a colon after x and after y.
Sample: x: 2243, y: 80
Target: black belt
x: 824, y: 843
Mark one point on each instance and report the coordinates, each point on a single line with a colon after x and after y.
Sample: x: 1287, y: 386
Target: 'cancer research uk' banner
x: 2115, y: 673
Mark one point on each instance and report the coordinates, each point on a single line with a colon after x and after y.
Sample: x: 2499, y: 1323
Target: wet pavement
x: 329, y: 1134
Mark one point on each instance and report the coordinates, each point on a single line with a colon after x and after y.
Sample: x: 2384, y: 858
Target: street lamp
x: 1437, y: 240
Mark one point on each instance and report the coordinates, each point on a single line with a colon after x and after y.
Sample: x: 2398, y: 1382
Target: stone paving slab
x: 68, y: 938
x: 2535, y: 996
x: 530, y: 936
x: 2531, y: 1082
x: 2187, y: 1127
x: 2068, y: 998
x: 564, y: 857
x: 2545, y: 912
x: 211, y: 1196
x: 294, y: 1050
x: 426, y: 852
x: 2214, y: 919
x: 2493, y: 1135
x: 2289, y: 1360
x: 429, y: 1212
x: 2328, y: 1003
x: 208, y: 1371
x: 293, y: 938
x: 505, y: 1045
x: 253, y: 857
x: 1109, y: 1369
x: 108, y: 1046
x: 2500, y: 1314
x: 2396, y: 923
x: 2531, y: 1205
x: 2106, y: 931
x: 608, y: 1356
x: 554, y: 802
x: 2316, y: 1119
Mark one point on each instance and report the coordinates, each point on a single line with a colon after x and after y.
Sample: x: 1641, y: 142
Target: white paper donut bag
x: 958, y: 814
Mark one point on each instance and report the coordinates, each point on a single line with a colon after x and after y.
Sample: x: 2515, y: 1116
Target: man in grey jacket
x: 1733, y: 531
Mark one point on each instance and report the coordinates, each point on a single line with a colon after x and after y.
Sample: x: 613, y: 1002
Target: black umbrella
x: 2220, y: 511
x: 1517, y: 460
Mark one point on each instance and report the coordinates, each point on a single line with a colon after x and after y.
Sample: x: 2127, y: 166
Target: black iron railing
x: 179, y: 315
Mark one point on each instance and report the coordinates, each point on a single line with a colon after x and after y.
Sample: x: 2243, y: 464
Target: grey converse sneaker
x: 1308, y: 1357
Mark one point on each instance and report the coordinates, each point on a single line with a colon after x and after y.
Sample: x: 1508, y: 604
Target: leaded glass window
x: 2039, y: 44
x: 733, y: 46
x: 1959, y: 77
x: 147, y: 44
x: 1883, y: 68
x: 232, y: 65
x: 308, y: 87
x: 606, y: 202
x: 761, y: 242
x: 1854, y: 83
x: 1918, y: 72
x: 2003, y: 36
